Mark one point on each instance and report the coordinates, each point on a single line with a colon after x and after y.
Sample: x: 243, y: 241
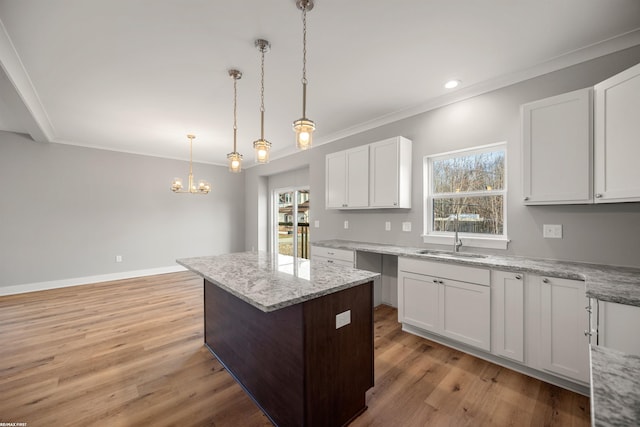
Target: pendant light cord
x: 262, y: 94
x: 304, y: 60
x: 235, y: 111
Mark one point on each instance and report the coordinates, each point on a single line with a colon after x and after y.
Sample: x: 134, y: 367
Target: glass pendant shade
x: 262, y: 147
x: 304, y: 127
x: 304, y: 133
x: 235, y: 162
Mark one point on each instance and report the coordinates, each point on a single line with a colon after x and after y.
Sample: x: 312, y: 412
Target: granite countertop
x: 615, y: 381
x: 604, y: 282
x: 272, y: 281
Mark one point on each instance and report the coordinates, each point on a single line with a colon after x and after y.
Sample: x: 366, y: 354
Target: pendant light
x: 235, y: 158
x: 262, y: 146
x: 304, y: 127
x: 203, y: 186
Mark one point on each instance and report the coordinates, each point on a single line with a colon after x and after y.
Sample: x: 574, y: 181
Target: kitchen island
x: 296, y: 335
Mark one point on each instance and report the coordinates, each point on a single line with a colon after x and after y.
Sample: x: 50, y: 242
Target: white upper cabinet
x: 358, y: 177
x: 336, y: 180
x: 390, y: 171
x: 372, y: 176
x: 556, y: 149
x: 617, y: 138
x: 347, y: 178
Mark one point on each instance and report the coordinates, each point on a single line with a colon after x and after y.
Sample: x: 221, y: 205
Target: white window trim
x: 468, y: 239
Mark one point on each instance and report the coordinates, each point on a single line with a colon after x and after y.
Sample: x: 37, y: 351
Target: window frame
x: 469, y: 239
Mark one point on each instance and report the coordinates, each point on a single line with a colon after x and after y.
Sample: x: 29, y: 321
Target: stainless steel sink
x: 450, y: 254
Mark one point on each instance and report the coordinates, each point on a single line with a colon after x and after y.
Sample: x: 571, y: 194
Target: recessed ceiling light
x: 451, y: 84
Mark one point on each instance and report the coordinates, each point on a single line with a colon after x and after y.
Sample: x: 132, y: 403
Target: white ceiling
x: 137, y: 76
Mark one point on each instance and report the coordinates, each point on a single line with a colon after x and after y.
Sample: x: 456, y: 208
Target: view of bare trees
x: 471, y: 188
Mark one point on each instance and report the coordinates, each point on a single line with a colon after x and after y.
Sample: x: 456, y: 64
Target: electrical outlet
x: 343, y: 319
x: 552, y: 231
x: 406, y: 226
x: 316, y: 223
x: 118, y: 258
x: 346, y: 225
x: 387, y: 226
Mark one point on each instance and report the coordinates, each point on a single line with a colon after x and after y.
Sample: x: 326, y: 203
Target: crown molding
x: 37, y: 124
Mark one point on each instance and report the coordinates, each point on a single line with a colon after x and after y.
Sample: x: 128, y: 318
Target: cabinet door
x: 336, y: 180
x: 556, y: 149
x: 507, y: 311
x: 617, y: 327
x: 418, y: 301
x: 465, y: 313
x: 564, y: 347
x: 617, y: 103
x: 390, y: 173
x: 358, y: 177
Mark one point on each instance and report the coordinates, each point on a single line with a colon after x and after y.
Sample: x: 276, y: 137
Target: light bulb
x: 176, y: 185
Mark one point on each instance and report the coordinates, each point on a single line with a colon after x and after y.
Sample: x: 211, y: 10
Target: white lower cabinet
x: 418, y: 301
x: 332, y: 256
x: 564, y: 323
x: 507, y: 314
x: 465, y: 313
x: 432, y: 297
x: 538, y: 325
x: 614, y: 327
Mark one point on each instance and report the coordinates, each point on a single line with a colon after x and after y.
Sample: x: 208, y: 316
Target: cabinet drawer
x: 332, y: 261
x: 458, y: 272
x: 337, y: 254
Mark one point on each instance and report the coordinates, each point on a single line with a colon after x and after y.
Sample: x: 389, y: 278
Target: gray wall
x: 592, y: 233
x: 67, y: 211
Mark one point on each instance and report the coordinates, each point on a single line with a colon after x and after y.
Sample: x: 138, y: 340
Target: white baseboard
x: 54, y: 284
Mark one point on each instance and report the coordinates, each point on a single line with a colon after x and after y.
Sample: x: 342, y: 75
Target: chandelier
x: 304, y: 127
x: 203, y: 186
x: 235, y: 158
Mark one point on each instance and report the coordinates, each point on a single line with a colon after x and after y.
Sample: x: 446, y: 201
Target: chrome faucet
x: 456, y: 240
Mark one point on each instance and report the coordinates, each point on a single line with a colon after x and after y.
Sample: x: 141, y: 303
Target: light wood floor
x: 130, y: 353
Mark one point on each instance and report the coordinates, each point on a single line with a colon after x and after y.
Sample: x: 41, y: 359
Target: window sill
x: 468, y: 241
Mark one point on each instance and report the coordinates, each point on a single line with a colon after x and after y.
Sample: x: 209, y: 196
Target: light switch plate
x: 346, y: 225
x: 343, y: 319
x: 387, y: 226
x: 406, y: 226
x: 552, y: 231
x: 316, y: 223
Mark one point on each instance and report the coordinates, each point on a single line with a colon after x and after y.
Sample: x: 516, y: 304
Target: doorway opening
x: 291, y: 222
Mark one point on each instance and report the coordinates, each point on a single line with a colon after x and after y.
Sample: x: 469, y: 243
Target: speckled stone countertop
x: 269, y: 282
x: 615, y: 380
x: 604, y: 282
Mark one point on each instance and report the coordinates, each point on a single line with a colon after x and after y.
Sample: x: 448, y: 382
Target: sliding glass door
x: 291, y: 222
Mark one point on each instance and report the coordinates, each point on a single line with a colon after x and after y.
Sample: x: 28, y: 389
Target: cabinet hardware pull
x: 587, y: 333
x: 518, y: 276
x: 545, y: 280
x: 526, y: 198
x: 440, y: 282
x: 395, y: 204
x: 435, y: 281
x: 598, y: 196
x: 330, y: 261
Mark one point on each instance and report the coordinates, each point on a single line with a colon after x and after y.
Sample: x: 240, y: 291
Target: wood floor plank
x: 130, y: 353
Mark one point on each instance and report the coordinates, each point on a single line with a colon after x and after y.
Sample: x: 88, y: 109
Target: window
x: 467, y: 188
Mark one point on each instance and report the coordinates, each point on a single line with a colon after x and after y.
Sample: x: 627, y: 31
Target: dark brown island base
x: 304, y: 351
